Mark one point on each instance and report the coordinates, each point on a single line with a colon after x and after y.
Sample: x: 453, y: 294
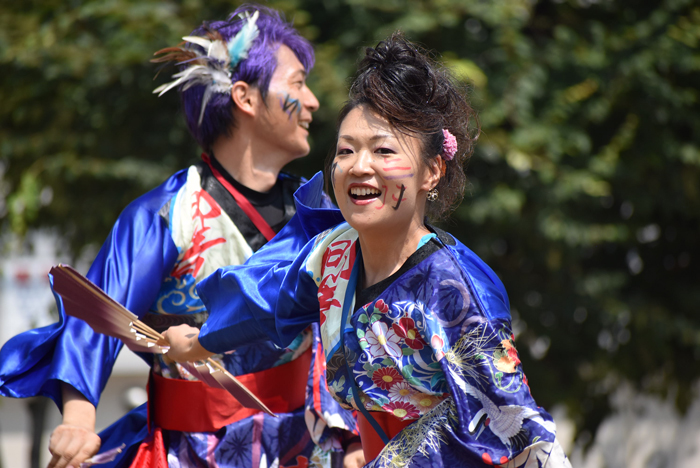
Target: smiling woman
x: 415, y: 327
x: 420, y: 101
x: 381, y: 184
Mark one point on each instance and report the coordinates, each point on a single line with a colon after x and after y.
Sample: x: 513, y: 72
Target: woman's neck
x: 383, y: 254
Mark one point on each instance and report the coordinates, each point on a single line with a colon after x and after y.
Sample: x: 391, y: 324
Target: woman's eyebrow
x: 372, y: 138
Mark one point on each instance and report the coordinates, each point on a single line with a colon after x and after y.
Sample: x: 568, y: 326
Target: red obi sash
x: 193, y: 406
x: 371, y: 442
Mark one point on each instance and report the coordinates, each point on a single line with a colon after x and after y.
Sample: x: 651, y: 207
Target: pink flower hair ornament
x: 449, y: 146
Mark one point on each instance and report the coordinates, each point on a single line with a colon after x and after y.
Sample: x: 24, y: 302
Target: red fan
x: 84, y: 300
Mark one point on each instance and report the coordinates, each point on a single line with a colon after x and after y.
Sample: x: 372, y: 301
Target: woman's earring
x: 432, y: 194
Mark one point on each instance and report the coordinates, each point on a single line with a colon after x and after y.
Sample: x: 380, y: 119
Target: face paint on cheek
x: 397, y: 168
x: 402, y: 176
x: 400, y: 198
x: 290, y: 105
x: 383, y: 198
x: 333, y: 168
x: 393, y: 168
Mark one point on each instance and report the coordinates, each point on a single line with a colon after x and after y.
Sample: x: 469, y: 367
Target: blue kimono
x: 161, y: 246
x: 432, y: 345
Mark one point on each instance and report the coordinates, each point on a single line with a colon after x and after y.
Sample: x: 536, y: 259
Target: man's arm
x: 75, y: 440
x: 129, y: 268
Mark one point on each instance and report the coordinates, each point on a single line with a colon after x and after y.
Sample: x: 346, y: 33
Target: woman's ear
x: 245, y: 97
x: 436, y: 169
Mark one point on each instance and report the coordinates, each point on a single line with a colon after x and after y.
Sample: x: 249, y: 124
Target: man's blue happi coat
x: 161, y: 246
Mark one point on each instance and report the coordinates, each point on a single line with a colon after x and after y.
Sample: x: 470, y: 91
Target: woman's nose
x: 363, y: 163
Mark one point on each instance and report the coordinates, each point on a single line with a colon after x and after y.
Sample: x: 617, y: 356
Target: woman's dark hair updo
x: 401, y: 83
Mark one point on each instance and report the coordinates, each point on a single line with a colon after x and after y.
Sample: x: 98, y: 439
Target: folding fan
x: 84, y: 300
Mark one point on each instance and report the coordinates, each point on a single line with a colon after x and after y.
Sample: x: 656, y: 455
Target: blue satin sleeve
x: 270, y: 297
x: 130, y: 267
x: 488, y: 287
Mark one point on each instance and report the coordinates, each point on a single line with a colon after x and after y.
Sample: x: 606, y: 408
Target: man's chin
x: 303, y: 153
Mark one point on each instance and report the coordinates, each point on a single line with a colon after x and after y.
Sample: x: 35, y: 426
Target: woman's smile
x: 363, y: 194
x: 378, y: 177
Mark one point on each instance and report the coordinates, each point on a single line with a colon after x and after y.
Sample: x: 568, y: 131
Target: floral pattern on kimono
x: 426, y: 350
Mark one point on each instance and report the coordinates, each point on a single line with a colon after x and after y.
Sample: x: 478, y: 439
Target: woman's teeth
x: 364, y: 192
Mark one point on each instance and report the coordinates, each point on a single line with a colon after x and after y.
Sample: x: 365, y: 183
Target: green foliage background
x: 584, y: 190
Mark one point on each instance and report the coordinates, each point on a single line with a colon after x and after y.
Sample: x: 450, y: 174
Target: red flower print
x: 513, y: 355
x: 386, y: 377
x: 302, y: 462
x: 406, y: 329
x: 381, y: 306
x: 487, y: 459
x: 401, y: 410
x: 506, y: 357
x: 509, y: 345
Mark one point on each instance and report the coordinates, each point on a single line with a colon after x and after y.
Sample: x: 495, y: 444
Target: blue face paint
x: 290, y: 105
x: 333, y: 168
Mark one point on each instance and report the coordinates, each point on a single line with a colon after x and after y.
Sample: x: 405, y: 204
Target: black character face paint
x: 290, y: 105
x: 400, y: 198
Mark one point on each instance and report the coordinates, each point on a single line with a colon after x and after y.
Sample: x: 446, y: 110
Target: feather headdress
x: 214, y: 67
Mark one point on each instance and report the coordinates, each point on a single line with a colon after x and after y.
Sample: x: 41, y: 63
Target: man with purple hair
x: 243, y: 87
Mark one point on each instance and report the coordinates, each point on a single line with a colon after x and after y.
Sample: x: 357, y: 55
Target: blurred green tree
x: 584, y: 190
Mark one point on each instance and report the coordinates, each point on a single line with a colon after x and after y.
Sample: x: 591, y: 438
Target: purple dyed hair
x: 255, y: 70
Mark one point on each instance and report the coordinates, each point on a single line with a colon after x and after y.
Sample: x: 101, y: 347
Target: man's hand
x: 74, y: 441
x: 184, y: 345
x: 354, y: 456
x: 72, y: 445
